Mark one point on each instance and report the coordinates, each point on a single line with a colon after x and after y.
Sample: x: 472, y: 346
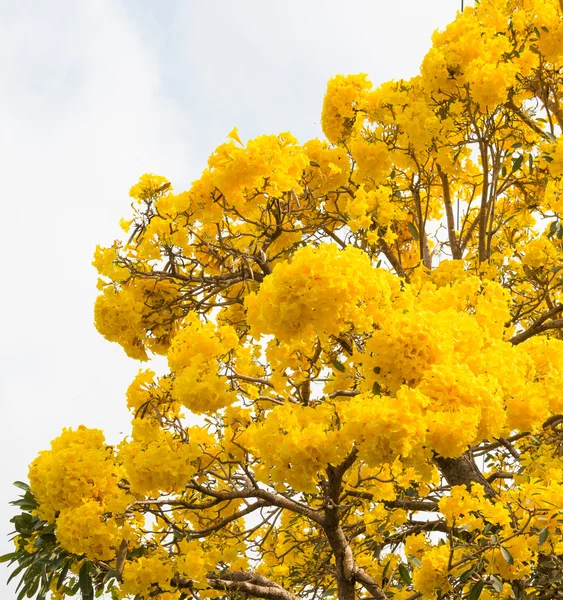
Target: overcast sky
x: 97, y: 92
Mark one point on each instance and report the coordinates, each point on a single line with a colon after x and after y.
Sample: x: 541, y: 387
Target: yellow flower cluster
x: 556, y: 154
x: 539, y: 252
x: 322, y: 292
x: 433, y: 574
x: 155, y: 461
x: 385, y: 427
x: 371, y: 206
x: 329, y: 167
x: 148, y: 187
x: 343, y: 99
x: 75, y: 484
x: 85, y: 529
x: 471, y: 509
x: 295, y: 443
x: 137, y: 316
x: 469, y: 53
x: 271, y: 163
x: 194, y: 357
x: 140, y: 575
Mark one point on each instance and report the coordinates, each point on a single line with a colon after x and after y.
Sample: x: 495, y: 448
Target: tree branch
x: 271, y: 498
x: 369, y: 584
x: 454, y: 244
x: 540, y: 325
x: 249, y: 584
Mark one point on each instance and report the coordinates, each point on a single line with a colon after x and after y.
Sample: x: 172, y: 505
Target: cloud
x: 264, y: 65
x: 82, y: 117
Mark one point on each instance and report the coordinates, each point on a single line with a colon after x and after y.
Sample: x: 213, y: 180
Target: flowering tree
x: 364, y: 347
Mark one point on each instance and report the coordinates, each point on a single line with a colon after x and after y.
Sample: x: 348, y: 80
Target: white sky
x: 95, y: 93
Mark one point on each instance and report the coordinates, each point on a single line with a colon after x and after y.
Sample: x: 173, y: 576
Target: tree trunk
x: 463, y: 471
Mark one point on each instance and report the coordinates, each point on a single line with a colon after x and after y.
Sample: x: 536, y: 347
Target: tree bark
x: 463, y: 471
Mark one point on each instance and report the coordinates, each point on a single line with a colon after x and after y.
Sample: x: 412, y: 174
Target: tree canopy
x: 364, y: 346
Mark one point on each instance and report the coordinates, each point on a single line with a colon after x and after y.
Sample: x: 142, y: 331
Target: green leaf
x: 385, y: 569
x: 544, y: 534
x: 517, y: 145
x: 415, y: 561
x: 338, y: 366
x: 404, y: 573
x: 73, y: 590
x: 16, y: 572
x: 466, y: 575
x: 413, y: 230
x: 517, y: 163
x: 8, y: 557
x: 85, y: 582
x: 329, y: 592
x: 506, y: 555
x: 476, y: 591
x: 23, y: 591
x: 62, y: 576
x: 34, y: 585
x: 376, y: 389
x: 22, y: 485
x: 496, y: 583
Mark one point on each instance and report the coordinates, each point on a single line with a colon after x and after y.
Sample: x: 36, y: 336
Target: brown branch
x: 272, y: 498
x: 480, y: 450
x: 427, y: 506
x: 249, y: 584
x: 393, y: 260
x: 496, y: 476
x: 223, y: 522
x: 553, y: 421
x: 257, y: 380
x: 424, y: 251
x: 369, y: 584
x: 511, y: 449
x: 483, y: 209
x: 463, y: 471
x: 454, y: 243
x: 415, y: 505
x: 540, y: 325
x: 343, y: 556
x: 333, y: 235
x: 526, y: 119
x: 346, y: 393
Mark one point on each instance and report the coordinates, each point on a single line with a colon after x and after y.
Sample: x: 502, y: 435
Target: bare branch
x: 249, y: 584
x: 540, y: 325
x: 370, y: 584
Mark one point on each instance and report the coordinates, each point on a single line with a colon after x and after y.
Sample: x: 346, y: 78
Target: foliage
x: 364, y: 346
